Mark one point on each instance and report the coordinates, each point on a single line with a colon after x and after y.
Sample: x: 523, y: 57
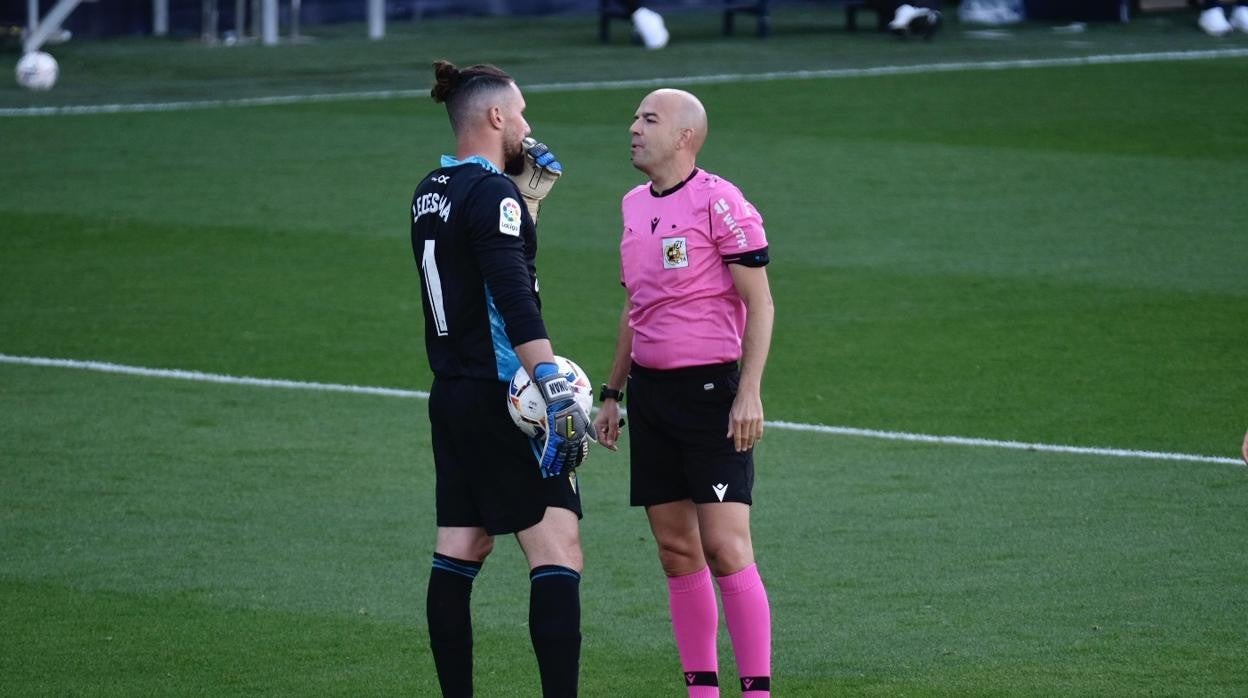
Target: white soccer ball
x: 525, y: 403
x: 37, y: 71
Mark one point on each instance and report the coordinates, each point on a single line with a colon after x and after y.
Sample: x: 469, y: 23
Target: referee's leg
x: 690, y: 594
x: 725, y: 529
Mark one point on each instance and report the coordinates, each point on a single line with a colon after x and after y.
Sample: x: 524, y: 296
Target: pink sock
x: 695, y: 621
x: 749, y: 624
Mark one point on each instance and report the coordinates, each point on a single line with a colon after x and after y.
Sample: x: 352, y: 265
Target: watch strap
x: 610, y: 394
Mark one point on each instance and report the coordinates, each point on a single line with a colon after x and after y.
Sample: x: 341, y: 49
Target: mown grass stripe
x: 673, y: 81
x: 200, y: 376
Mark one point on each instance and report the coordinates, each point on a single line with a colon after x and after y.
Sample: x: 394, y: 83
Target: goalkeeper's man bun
x: 450, y: 80
x: 446, y: 79
x: 458, y: 88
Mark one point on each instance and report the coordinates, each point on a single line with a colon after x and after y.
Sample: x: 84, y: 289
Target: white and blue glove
x: 566, y: 441
x: 541, y: 170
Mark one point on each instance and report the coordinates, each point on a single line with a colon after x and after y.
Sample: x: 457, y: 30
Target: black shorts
x: 677, y: 426
x: 487, y: 471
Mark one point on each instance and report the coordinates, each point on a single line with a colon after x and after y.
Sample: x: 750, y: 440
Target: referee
x: 693, y: 339
x: 475, y: 245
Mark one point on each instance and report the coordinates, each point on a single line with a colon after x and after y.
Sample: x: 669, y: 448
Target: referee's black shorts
x: 677, y: 431
x: 487, y: 471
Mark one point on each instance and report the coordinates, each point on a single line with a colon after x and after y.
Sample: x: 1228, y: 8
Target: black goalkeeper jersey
x: 475, y: 245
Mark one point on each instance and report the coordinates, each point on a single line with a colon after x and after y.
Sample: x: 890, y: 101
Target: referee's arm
x: 608, y: 420
x: 745, y: 422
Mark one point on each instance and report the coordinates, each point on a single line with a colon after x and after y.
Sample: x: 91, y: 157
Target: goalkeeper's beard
x: 513, y: 162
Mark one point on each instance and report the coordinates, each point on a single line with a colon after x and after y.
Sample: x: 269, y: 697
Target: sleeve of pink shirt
x: 736, y: 226
x: 622, y: 232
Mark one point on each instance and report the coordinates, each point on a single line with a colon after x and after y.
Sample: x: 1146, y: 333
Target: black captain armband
x: 753, y: 258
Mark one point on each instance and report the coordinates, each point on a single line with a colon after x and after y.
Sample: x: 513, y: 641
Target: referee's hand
x: 745, y: 420
x: 608, y: 423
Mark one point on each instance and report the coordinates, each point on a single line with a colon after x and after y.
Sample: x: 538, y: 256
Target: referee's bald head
x: 685, y: 111
x: 469, y: 92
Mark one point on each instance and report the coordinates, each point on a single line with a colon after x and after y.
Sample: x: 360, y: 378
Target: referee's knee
x: 677, y: 559
x: 728, y: 557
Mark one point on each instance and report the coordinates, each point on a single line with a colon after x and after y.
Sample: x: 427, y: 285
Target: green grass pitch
x: 1051, y: 255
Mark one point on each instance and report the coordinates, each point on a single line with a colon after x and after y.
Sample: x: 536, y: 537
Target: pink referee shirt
x: 683, y: 307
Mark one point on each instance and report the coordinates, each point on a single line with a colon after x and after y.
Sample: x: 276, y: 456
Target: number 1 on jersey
x: 433, y: 282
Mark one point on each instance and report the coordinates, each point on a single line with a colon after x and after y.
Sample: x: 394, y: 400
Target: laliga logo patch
x: 675, y: 255
x: 509, y: 217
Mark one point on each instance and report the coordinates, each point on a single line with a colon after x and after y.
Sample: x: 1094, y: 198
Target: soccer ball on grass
x: 37, y: 71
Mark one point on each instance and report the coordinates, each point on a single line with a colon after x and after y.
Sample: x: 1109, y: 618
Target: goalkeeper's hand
x: 566, y: 441
x: 541, y: 170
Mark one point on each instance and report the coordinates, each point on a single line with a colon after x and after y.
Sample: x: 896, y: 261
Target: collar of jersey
x: 673, y: 190
x: 451, y: 161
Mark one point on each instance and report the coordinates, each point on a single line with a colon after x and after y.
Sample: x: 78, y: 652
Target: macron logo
x: 720, y: 490
x: 689, y: 678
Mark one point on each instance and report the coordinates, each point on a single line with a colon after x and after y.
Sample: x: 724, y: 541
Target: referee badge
x: 509, y: 217
x: 675, y: 255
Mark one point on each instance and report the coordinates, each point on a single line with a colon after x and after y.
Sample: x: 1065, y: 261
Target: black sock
x: 555, y: 627
x: 1209, y: 4
x: 450, y: 623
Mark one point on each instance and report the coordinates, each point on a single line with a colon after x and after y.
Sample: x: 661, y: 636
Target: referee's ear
x: 685, y: 140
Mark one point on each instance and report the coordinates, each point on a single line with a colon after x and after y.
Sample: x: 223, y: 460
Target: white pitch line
x: 994, y: 443
x: 679, y: 80
x: 199, y: 376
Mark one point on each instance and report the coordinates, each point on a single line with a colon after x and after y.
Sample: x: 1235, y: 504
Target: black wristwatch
x: 610, y: 394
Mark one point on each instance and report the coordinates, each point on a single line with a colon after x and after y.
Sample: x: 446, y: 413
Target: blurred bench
x: 760, y: 9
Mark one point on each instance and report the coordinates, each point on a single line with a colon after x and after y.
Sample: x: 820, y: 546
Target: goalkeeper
x: 475, y: 244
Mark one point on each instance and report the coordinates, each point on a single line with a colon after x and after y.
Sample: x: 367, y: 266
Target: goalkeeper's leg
x: 555, y: 627
x: 450, y: 622
x: 553, y: 549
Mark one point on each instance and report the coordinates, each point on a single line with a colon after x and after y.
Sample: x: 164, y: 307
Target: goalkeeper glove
x: 566, y: 441
x: 541, y: 169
